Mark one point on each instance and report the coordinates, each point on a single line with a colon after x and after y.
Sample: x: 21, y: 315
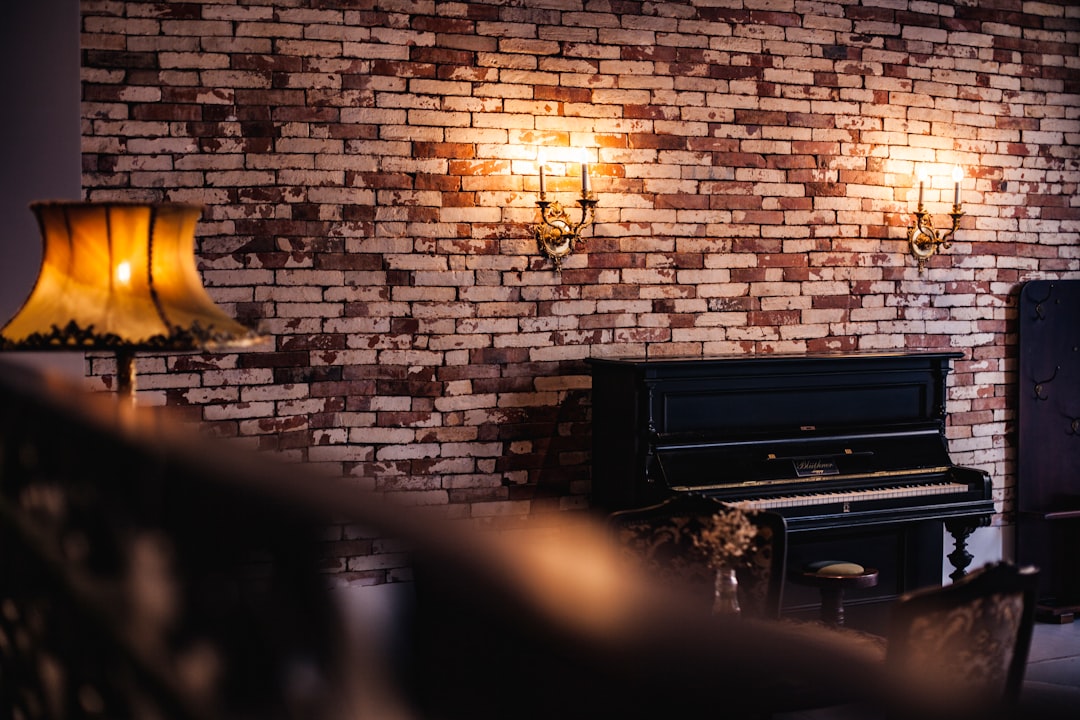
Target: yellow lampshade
x: 120, y: 276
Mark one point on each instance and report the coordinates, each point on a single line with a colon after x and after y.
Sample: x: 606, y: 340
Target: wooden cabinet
x: 1048, y: 440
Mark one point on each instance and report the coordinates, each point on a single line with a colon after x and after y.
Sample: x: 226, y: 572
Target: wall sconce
x: 556, y: 233
x: 923, y: 238
x: 120, y: 277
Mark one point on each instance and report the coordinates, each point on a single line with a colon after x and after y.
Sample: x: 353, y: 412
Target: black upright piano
x: 849, y: 448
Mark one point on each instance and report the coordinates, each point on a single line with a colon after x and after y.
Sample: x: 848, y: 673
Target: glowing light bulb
x: 123, y: 273
x: 583, y: 157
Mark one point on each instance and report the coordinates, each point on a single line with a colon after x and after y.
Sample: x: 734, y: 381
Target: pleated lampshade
x: 120, y: 276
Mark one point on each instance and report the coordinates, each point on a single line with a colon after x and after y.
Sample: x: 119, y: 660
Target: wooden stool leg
x: 832, y: 606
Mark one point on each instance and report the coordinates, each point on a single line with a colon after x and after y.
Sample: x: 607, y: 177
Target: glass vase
x: 726, y: 592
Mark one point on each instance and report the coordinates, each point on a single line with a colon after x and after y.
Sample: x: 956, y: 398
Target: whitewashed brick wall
x: 369, y: 173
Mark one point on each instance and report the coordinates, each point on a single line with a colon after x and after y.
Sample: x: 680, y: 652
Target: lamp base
x: 125, y: 374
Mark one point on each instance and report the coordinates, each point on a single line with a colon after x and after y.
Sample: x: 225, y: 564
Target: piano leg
x: 961, y: 529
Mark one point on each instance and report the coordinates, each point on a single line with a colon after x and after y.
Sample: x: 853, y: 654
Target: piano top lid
x: 840, y: 359
x: 781, y: 395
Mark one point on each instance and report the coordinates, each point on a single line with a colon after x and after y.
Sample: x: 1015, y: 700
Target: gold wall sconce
x: 557, y: 234
x: 120, y: 277
x: 923, y: 239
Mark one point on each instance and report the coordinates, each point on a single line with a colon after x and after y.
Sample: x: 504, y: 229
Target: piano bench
x: 833, y: 578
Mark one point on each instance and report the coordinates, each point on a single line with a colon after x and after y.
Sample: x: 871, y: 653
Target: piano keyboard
x: 823, y: 498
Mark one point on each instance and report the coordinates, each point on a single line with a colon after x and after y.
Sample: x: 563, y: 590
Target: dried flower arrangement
x: 726, y: 537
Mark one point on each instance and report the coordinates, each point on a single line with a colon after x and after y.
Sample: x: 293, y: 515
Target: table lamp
x: 120, y: 277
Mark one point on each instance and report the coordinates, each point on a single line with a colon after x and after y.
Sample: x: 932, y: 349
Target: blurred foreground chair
x: 147, y: 573
x: 956, y: 652
x: 965, y: 645
x: 666, y: 537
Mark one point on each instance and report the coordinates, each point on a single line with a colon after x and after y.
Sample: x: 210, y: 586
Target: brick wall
x: 369, y: 175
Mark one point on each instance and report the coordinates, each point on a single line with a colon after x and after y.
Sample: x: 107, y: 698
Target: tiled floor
x: 1053, y: 671
x: 1051, y: 683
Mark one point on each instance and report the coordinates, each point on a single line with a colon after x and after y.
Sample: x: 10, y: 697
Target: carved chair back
x: 965, y: 645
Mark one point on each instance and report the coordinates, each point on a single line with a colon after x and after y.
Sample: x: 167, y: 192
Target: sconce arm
x: 956, y: 214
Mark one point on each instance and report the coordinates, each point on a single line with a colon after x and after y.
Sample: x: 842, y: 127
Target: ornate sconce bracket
x: 925, y: 240
x: 557, y: 234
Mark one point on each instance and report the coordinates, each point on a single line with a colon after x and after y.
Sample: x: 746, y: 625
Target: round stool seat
x: 833, y: 577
